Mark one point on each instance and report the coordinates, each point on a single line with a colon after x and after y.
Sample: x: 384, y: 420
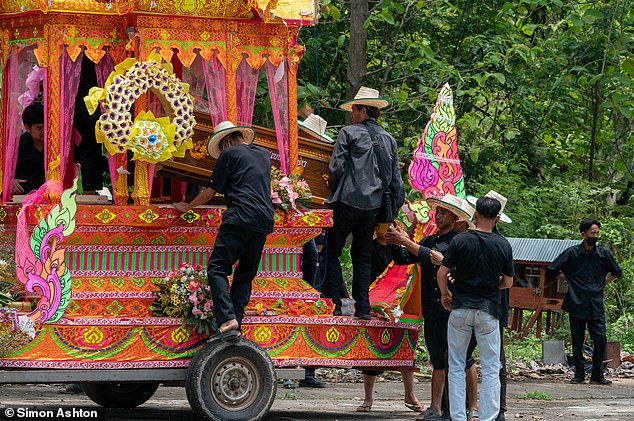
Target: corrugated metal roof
x: 539, y: 249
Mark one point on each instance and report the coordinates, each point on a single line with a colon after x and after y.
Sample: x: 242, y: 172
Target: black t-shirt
x: 477, y: 259
x: 30, y: 164
x: 243, y: 175
x: 585, y: 271
x: 432, y: 307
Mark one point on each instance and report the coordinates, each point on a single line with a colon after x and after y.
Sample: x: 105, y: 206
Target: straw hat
x: 494, y: 195
x: 315, y: 126
x: 466, y: 206
x: 450, y: 202
x: 366, y: 96
x: 223, y: 129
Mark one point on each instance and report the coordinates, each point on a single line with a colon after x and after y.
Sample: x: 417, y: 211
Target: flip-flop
x: 233, y: 335
x: 416, y: 407
x: 364, y: 408
x: 472, y: 415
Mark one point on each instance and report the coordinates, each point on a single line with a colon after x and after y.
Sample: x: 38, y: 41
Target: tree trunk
x: 357, y: 61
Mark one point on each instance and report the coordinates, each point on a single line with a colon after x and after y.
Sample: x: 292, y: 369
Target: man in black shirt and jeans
x: 243, y: 175
x: 481, y: 263
x: 585, y: 267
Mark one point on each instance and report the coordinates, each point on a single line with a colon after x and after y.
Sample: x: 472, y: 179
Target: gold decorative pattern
x: 292, y: 11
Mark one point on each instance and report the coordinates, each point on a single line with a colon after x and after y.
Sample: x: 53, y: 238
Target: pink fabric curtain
x: 12, y: 126
x: 194, y: 75
x: 278, y: 90
x: 246, y: 85
x: 19, y: 64
x: 215, y: 81
x: 70, y: 73
x: 103, y: 70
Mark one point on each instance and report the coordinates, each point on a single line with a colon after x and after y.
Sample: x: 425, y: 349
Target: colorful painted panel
x: 161, y: 342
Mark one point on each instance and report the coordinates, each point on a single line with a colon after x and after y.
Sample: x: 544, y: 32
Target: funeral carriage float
x: 166, y: 72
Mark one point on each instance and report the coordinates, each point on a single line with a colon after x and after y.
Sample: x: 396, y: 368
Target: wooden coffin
x: 197, y: 165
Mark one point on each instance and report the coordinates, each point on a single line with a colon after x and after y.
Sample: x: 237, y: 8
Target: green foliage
x: 537, y: 395
x: 544, y: 97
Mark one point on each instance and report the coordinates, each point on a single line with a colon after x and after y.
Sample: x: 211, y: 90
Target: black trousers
x: 310, y: 258
x: 503, y: 380
x: 360, y: 223
x: 233, y: 244
x: 596, y: 327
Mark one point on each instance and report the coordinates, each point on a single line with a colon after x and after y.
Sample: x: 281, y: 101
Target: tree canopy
x: 544, y: 96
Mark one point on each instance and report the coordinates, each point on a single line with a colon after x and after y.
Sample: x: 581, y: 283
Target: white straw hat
x: 223, y: 129
x: 366, y: 96
x: 450, y: 202
x: 494, y: 195
x: 315, y: 126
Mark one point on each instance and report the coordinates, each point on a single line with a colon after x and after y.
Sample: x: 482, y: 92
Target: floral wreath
x: 151, y: 139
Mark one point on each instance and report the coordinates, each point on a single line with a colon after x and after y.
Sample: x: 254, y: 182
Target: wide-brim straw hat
x: 366, y: 96
x: 315, y: 126
x: 450, y: 202
x: 223, y: 129
x: 494, y: 195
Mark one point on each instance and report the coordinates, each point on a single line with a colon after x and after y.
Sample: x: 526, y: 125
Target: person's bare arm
x: 436, y: 257
x: 610, y: 278
x: 445, y: 295
x: 203, y: 197
x: 506, y: 281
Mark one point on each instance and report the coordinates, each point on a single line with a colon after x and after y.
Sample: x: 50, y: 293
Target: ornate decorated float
x: 94, y: 266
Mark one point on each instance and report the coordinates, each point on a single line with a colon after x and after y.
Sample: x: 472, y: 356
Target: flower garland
x: 287, y: 191
x: 152, y: 139
x: 186, y: 294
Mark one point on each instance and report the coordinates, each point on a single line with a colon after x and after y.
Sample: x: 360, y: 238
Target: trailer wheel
x: 231, y: 381
x: 120, y: 395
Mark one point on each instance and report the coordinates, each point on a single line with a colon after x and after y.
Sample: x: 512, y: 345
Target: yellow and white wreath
x: 152, y: 139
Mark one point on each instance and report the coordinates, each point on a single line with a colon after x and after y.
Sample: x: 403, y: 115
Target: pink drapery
x: 246, y: 85
x: 70, y: 73
x: 215, y: 81
x: 194, y: 75
x: 19, y: 65
x: 278, y: 91
x: 103, y: 70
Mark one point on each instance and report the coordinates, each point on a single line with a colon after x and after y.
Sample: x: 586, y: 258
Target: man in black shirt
x: 585, y: 267
x: 448, y: 211
x: 242, y: 174
x: 481, y: 263
x: 29, y: 170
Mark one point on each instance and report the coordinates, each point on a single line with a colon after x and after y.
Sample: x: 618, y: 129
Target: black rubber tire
x: 120, y: 395
x: 231, y: 381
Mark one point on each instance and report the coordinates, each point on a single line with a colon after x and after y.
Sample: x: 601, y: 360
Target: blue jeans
x: 462, y: 323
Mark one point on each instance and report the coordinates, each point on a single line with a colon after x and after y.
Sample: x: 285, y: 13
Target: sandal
x: 364, y: 408
x: 416, y: 407
x: 472, y: 415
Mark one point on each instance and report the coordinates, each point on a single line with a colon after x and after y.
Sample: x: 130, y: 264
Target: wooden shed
x: 534, y: 288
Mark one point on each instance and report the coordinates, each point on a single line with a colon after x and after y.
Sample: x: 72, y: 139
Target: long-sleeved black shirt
x: 30, y: 164
x: 585, y: 271
x: 355, y: 178
x: 432, y: 307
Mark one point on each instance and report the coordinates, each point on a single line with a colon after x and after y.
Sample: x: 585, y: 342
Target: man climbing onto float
x: 242, y: 174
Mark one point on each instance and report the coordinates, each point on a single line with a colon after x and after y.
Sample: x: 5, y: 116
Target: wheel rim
x: 235, y: 383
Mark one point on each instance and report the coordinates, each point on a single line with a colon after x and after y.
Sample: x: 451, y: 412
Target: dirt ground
x: 557, y: 400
